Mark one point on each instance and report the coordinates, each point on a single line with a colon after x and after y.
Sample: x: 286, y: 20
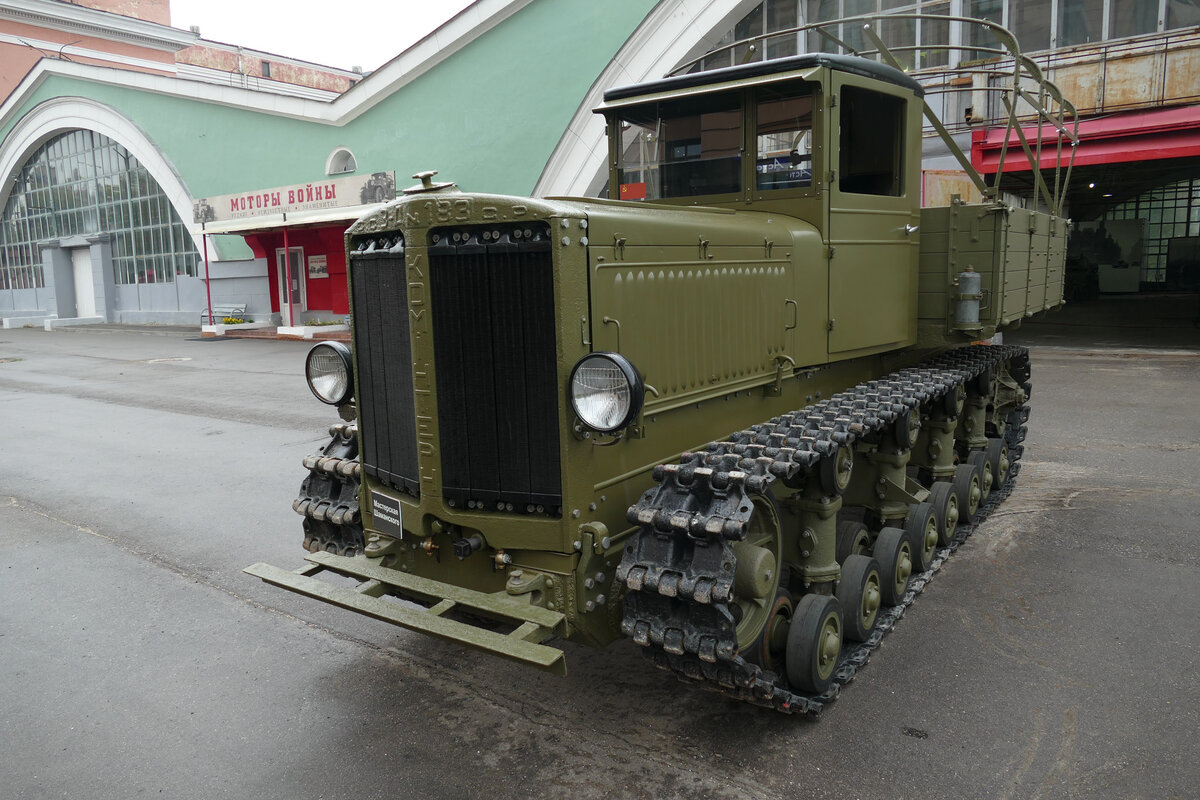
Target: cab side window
x: 871, y: 143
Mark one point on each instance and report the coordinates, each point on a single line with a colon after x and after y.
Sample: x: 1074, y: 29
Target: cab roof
x: 760, y: 69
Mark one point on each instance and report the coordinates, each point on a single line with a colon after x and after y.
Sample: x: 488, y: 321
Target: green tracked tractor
x: 732, y: 412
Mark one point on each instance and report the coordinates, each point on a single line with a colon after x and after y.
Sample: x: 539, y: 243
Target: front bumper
x: 534, y: 624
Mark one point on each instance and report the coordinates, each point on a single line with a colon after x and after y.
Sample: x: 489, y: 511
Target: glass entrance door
x: 293, y: 268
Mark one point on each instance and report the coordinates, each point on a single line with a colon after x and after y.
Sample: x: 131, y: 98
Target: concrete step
x: 51, y: 324
x: 26, y: 320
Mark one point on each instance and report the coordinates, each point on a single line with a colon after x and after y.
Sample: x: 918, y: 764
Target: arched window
x: 341, y: 160
x: 81, y: 183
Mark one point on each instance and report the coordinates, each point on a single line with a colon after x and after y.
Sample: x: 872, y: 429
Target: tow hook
x: 536, y: 586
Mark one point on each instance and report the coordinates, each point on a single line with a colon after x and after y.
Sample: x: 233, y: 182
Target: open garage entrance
x: 1133, y: 197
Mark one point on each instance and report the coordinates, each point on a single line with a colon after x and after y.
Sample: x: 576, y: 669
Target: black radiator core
x: 492, y: 292
x: 383, y: 359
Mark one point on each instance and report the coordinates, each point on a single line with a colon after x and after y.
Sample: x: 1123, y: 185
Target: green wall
x: 487, y: 118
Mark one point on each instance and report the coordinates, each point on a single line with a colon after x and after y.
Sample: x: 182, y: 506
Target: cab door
x: 874, y: 208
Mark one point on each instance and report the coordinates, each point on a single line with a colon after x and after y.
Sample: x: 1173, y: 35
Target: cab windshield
x: 693, y: 146
x: 681, y: 148
x: 784, y: 139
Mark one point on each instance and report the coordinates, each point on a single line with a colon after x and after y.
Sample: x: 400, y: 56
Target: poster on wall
x: 317, y: 267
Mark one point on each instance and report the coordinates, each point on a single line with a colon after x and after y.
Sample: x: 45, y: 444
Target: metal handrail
x: 1048, y: 104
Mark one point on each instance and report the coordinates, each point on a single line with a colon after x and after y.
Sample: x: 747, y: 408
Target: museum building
x: 123, y: 131
x: 148, y: 174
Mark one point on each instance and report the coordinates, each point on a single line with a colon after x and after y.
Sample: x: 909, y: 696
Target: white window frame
x: 341, y: 161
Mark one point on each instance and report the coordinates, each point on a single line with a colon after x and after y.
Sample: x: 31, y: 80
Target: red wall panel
x: 323, y: 294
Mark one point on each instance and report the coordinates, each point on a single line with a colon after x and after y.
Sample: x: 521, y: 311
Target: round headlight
x: 329, y: 373
x: 606, y: 391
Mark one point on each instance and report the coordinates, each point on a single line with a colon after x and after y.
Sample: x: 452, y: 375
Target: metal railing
x: 1028, y: 95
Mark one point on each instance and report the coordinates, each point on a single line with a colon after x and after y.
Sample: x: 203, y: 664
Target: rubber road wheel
x: 997, y: 453
x: 979, y: 459
x: 969, y: 489
x: 859, y: 595
x: 852, y: 538
x: 893, y: 553
x: 945, y: 505
x: 922, y: 526
x: 814, y: 642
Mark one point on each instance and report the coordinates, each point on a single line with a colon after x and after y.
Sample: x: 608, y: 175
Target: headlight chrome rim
x: 329, y: 365
x: 600, y: 411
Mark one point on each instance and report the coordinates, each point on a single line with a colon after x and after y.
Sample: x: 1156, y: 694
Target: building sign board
x: 317, y: 267
x: 355, y: 190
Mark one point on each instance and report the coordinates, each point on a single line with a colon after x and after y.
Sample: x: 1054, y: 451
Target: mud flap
x: 534, y: 624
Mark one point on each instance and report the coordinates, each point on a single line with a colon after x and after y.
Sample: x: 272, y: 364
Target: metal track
x: 328, y: 498
x: 679, y: 567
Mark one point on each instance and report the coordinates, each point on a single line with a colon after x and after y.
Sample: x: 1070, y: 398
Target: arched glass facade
x: 1038, y: 25
x: 82, y: 183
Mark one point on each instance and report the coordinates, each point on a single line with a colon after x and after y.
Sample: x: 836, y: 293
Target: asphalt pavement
x: 1055, y: 655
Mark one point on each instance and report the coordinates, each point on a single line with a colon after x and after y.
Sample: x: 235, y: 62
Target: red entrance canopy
x: 1110, y: 139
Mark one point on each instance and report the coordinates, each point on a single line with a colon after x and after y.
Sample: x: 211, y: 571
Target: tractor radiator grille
x: 492, y: 292
x: 383, y: 361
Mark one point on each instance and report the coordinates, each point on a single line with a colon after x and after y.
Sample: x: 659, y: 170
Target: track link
x: 328, y: 498
x: 679, y: 568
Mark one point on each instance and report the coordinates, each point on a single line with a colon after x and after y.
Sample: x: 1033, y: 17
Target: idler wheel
x: 893, y: 552
x: 756, y: 576
x: 860, y: 596
x: 770, y: 648
x: 814, y: 642
x: 969, y: 489
x: 922, y: 526
x: 945, y: 505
